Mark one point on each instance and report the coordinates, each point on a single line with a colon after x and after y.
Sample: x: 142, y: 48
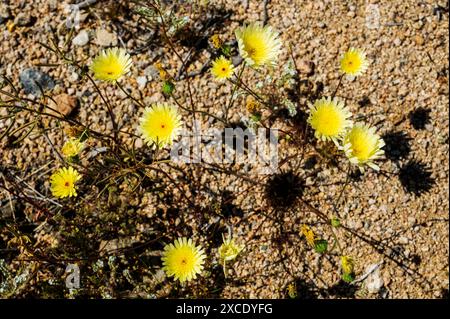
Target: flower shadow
x: 415, y: 177
x: 397, y: 145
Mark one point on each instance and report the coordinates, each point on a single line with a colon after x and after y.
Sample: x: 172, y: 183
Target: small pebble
x: 142, y: 81
x: 5, y: 13
x: 419, y: 40
x: 105, y: 38
x: 63, y: 103
x: 81, y: 38
x: 23, y: 20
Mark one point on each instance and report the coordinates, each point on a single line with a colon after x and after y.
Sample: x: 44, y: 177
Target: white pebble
x: 81, y: 39
x: 142, y: 81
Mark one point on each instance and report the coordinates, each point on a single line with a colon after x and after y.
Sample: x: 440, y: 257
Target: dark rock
x: 33, y: 81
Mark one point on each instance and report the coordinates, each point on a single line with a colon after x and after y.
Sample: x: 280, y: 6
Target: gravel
x: 405, y: 229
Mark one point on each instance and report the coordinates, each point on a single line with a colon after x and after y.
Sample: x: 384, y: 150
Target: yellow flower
x: 160, y: 124
x: 72, y: 147
x: 362, y: 145
x: 229, y: 250
x: 329, y: 119
x: 62, y: 182
x: 309, y: 235
x: 354, y: 62
x: 258, y: 45
x: 162, y: 72
x: 347, y: 264
x: 10, y: 25
x: 252, y: 105
x: 111, y: 64
x: 222, y: 68
x: 183, y: 260
x: 215, y: 41
x: 292, y: 291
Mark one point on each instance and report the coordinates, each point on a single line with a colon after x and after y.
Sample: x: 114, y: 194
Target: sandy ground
x: 402, y: 229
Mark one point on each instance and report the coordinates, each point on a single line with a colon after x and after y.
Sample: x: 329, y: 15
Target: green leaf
x: 226, y: 50
x: 256, y: 117
x: 335, y: 222
x: 84, y: 136
x: 168, y: 87
x: 321, y: 245
x: 348, y: 277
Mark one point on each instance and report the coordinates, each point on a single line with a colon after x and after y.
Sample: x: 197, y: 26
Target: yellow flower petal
x: 160, y: 124
x: 183, y: 260
x: 111, y: 64
x: 229, y: 250
x: 72, y: 147
x: 258, y: 45
x: 222, y: 68
x: 354, y: 62
x: 347, y: 264
x: 362, y: 146
x: 329, y: 119
x: 309, y: 235
x: 62, y: 182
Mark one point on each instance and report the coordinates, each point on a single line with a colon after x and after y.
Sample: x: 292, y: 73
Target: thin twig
x: 336, y: 203
x: 85, y: 3
x: 265, y: 12
x: 337, y: 87
x: 371, y: 270
x: 198, y: 111
x: 44, y: 133
x: 109, y: 108
x: 129, y: 95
